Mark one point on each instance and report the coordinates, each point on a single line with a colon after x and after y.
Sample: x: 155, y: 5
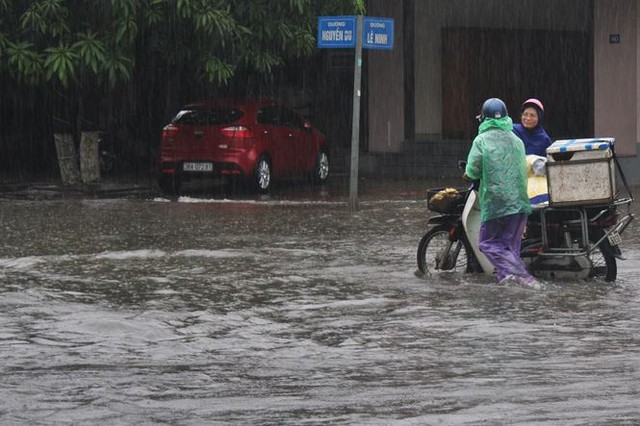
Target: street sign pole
x: 355, y: 123
x: 337, y: 32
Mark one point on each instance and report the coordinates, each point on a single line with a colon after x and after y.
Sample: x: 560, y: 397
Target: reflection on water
x: 276, y: 312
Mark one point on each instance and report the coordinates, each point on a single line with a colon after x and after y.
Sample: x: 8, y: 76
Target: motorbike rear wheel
x: 603, y: 261
x: 438, y: 254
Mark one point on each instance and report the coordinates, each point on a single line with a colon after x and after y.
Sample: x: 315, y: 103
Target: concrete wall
x: 617, y: 92
x: 616, y: 66
x: 386, y: 84
x: 433, y: 15
x: 615, y: 73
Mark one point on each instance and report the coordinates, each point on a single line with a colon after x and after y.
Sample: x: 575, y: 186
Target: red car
x: 258, y: 140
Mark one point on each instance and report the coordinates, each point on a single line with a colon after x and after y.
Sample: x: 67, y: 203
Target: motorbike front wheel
x: 438, y: 254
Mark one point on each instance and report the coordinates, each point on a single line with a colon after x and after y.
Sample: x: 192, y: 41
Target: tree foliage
x: 124, y: 65
x: 58, y: 41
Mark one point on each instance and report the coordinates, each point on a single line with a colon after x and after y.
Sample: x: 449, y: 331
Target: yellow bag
x: 537, y: 187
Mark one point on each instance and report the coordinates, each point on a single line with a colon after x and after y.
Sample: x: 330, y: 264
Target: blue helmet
x: 493, y: 108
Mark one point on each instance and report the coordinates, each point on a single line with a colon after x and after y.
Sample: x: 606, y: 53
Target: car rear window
x: 207, y: 117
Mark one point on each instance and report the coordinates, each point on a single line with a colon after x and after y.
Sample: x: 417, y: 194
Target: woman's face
x: 529, y: 118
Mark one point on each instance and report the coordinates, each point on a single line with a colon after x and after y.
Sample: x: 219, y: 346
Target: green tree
x: 83, y: 52
x: 55, y: 40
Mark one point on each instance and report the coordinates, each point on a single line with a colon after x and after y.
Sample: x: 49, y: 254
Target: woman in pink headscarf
x: 530, y: 130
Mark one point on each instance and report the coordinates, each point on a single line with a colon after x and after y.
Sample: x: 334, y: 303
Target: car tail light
x: 238, y: 137
x: 238, y: 132
x: 169, y: 131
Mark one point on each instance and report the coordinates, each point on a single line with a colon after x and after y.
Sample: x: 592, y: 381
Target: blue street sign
x: 336, y: 32
x: 359, y: 32
x: 377, y: 33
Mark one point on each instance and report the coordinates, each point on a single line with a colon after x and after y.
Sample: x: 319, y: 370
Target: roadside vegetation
x: 122, y: 66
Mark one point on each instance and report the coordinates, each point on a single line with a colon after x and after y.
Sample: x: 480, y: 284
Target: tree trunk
x: 89, y: 157
x: 67, y: 158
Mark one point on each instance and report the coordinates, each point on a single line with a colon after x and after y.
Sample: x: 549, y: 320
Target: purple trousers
x: 500, y: 241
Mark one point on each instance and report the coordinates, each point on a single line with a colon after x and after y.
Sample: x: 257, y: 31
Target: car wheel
x: 262, y: 176
x: 321, y: 171
x: 169, y: 184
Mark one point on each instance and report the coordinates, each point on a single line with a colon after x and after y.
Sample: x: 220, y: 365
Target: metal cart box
x: 581, y: 172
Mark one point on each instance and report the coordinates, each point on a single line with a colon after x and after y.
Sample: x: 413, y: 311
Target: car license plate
x: 614, y: 238
x: 197, y: 167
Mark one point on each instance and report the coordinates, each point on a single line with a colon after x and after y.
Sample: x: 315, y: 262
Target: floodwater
x: 290, y: 310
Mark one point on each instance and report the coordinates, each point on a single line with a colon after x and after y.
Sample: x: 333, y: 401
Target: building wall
x: 433, y: 15
x: 385, y: 72
x: 616, y: 91
x: 637, y: 37
x: 615, y: 73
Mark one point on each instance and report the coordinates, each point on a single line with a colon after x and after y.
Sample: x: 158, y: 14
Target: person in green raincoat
x: 497, y: 160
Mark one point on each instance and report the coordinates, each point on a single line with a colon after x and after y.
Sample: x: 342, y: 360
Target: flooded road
x: 290, y: 310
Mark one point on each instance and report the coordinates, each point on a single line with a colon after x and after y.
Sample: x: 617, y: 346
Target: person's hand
x: 467, y: 178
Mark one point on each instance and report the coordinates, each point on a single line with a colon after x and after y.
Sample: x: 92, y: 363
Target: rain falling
x: 151, y: 273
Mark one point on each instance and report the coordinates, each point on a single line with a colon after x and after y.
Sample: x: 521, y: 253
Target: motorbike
x: 106, y: 155
x: 565, y: 242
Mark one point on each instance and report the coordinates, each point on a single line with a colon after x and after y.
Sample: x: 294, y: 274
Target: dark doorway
x: 553, y: 66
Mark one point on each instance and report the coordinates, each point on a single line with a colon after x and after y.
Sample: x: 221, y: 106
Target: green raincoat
x: 498, y: 160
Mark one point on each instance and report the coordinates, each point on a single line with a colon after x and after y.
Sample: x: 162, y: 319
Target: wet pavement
x: 46, y: 189
x: 212, y: 308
